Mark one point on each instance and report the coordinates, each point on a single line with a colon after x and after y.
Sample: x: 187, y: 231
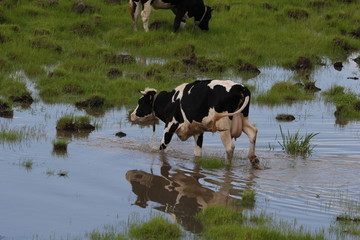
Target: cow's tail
x: 218, y: 116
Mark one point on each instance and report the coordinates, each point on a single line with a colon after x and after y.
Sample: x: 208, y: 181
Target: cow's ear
x: 142, y: 92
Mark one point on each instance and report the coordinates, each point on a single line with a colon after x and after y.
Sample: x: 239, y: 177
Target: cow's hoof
x: 162, y: 147
x: 255, y: 162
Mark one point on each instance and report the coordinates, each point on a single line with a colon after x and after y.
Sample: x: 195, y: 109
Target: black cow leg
x: 198, y: 144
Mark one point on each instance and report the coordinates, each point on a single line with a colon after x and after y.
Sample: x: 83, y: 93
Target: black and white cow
x: 181, y: 8
x: 202, y: 106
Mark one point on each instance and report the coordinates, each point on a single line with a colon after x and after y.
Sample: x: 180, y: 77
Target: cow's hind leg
x: 135, y: 7
x: 228, y: 143
x: 251, y: 132
x: 145, y: 15
x: 198, y: 144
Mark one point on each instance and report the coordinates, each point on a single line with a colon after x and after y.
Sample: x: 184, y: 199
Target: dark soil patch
x: 119, y: 59
x: 285, y: 117
x: 76, y: 127
x: 204, y: 64
x: 45, y: 43
x: 302, y: 64
x: 5, y: 110
x: 93, y: 102
x: 82, y: 7
x: 338, y: 66
x: 355, y: 33
x: 246, y: 67
x: 114, y: 73
x: 357, y: 60
x: 120, y: 134
x: 357, y: 106
x: 24, y: 98
x: 310, y: 86
x: 60, y: 148
x: 297, y: 14
x: 342, y: 43
x: 269, y: 6
x: 157, y: 25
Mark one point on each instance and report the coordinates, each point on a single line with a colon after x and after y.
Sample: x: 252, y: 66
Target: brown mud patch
x: 5, y: 110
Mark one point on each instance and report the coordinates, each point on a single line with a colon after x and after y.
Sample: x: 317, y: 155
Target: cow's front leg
x: 198, y: 144
x: 228, y: 143
x: 145, y: 15
x: 169, y: 131
x: 251, y: 132
x: 180, y: 13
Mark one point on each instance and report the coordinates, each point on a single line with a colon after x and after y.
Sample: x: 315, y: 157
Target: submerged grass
x: 296, y: 144
x: 20, y: 134
x: 211, y: 162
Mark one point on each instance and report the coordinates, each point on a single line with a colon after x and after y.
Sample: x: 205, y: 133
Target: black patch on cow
x: 199, y: 141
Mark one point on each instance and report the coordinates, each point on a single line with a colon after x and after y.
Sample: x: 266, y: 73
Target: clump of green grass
x: 28, y: 164
x: 284, y: 92
x: 156, y: 228
x: 60, y: 146
x: 347, y: 103
x: 74, y: 123
x: 296, y: 144
x: 248, y: 198
x: 212, y: 163
x: 50, y: 172
x: 62, y: 173
x: 223, y: 223
x: 96, y: 235
x: 219, y: 215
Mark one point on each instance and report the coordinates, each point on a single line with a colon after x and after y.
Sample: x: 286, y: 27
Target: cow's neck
x: 162, y: 99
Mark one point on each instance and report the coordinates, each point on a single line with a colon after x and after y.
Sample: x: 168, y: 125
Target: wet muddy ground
x: 110, y: 180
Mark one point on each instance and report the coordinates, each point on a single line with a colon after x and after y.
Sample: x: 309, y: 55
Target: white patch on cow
x: 179, y: 89
x: 147, y: 90
x: 228, y: 84
x: 190, y: 89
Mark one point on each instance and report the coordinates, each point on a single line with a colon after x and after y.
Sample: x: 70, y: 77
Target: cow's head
x: 204, y: 21
x: 144, y: 110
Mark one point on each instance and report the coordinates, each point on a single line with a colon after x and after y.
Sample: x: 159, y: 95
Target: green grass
x: 347, y: 103
x: 74, y: 123
x: 60, y: 145
x: 20, y: 134
x: 223, y: 223
x: 156, y: 228
x: 297, y: 145
x: 36, y: 36
x: 212, y: 163
x: 284, y: 92
x: 248, y: 198
x: 28, y: 164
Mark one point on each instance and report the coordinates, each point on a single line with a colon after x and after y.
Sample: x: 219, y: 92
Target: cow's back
x: 201, y: 97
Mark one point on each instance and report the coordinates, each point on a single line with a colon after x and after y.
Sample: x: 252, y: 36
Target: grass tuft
x: 296, y: 144
x: 156, y: 228
x: 211, y: 163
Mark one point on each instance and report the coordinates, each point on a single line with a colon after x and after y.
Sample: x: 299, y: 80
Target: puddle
x: 110, y: 178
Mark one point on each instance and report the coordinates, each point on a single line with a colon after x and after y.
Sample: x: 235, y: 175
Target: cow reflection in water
x: 180, y: 195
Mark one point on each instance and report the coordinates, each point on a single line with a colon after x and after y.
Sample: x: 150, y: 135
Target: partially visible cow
x: 181, y: 8
x: 202, y: 106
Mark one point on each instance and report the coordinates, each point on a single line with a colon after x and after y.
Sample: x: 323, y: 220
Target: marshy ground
x: 64, y: 58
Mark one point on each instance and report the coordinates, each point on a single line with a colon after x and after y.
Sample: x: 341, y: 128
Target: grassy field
x: 73, y: 51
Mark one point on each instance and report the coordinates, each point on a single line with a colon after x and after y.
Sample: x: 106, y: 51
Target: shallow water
x: 110, y: 179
